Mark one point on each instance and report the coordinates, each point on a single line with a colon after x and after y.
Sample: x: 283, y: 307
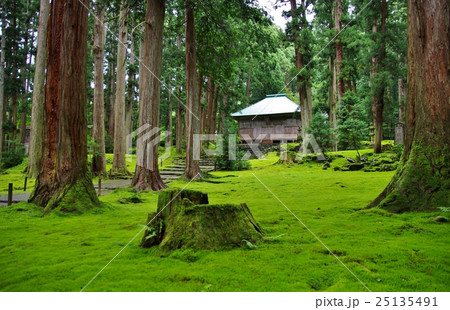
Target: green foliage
x: 351, y: 129
x: 13, y: 155
x: 320, y: 128
x: 223, y: 162
x: 109, y: 144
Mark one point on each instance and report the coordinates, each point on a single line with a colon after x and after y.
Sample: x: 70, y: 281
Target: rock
x: 355, y: 167
x: 350, y: 160
x: 441, y: 219
x: 185, y: 220
x: 338, y: 156
x: 326, y: 165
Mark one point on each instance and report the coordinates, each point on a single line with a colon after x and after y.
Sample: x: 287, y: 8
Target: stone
x: 355, y: 167
x: 350, y: 160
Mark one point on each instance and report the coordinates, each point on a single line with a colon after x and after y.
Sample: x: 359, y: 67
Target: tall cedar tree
x: 119, y: 165
x: 98, y: 130
x: 422, y: 181
x: 63, y: 179
x: 37, y: 106
x: 147, y: 172
x: 192, y: 102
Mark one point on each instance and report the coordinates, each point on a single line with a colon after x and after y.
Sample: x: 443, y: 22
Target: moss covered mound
x: 186, y: 220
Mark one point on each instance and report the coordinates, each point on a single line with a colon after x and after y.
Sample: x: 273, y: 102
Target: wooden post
x: 99, y: 186
x: 10, y: 193
x: 25, y: 184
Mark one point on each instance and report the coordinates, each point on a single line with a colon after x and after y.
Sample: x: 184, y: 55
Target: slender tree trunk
x: 119, y: 165
x: 98, y: 159
x: 147, y: 175
x: 210, y: 99
x: 130, y: 91
x: 332, y: 104
x: 401, y: 105
x: 179, y: 116
x: 169, y: 118
x: 192, y: 104
x: 111, y: 101
x: 63, y: 180
x: 339, y: 54
x: 223, y: 114
x: 37, y: 106
x: 422, y: 180
x: 378, y: 102
x: 23, y: 70
x: 2, y: 78
x: 247, y: 91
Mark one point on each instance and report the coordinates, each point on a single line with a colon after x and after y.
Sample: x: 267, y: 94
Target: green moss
x: 179, y: 223
x: 55, y: 253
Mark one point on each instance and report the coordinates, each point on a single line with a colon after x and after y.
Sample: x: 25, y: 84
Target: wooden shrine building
x: 272, y: 120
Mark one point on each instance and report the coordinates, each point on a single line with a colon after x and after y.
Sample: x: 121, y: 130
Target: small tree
x: 351, y: 128
x: 320, y: 129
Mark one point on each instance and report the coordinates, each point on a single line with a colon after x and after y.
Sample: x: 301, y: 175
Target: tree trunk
x: 339, y: 54
x: 401, y: 104
x: 98, y: 159
x: 422, y: 180
x: 179, y: 124
x: 119, y: 165
x: 111, y: 101
x: 378, y: 100
x: 210, y: 99
x: 23, y: 70
x: 63, y: 180
x: 192, y: 104
x: 169, y: 118
x: 332, y: 104
x: 37, y: 106
x: 247, y: 91
x: 130, y: 91
x: 178, y: 129
x: 2, y: 79
x: 147, y: 175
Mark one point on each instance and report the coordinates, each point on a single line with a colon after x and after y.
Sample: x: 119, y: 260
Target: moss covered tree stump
x: 186, y: 220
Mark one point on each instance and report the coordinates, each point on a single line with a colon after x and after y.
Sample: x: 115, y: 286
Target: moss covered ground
x: 386, y: 251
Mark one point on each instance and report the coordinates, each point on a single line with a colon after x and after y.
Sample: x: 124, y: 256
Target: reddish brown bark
x: 378, y: 100
x: 422, y: 180
x: 63, y: 178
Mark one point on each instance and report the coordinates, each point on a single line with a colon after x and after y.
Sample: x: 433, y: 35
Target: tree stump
x: 186, y: 220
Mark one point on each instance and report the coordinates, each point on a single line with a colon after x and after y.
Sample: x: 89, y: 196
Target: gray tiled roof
x: 272, y: 104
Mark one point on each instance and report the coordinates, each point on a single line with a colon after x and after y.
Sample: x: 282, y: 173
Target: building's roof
x: 272, y: 104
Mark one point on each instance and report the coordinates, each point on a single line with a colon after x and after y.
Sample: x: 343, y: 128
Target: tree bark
x: 119, y: 165
x: 378, y: 100
x: 339, y: 54
x: 332, y: 103
x: 2, y: 79
x: 401, y: 105
x: 192, y: 104
x: 98, y: 159
x: 111, y: 101
x: 130, y: 91
x: 169, y: 118
x: 63, y: 180
x: 422, y: 180
x: 210, y: 99
x: 147, y: 175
